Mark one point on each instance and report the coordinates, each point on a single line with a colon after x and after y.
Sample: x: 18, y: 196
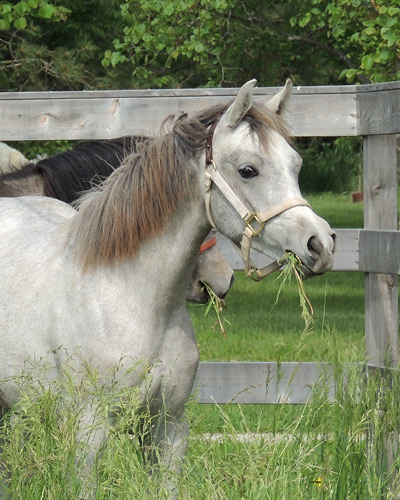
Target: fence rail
x: 261, y: 382
x: 358, y: 250
x: 370, y: 111
x: 314, y: 111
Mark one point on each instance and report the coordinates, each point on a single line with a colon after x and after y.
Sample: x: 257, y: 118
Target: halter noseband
x: 254, y: 221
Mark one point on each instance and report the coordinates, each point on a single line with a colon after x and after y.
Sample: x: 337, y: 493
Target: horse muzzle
x: 320, y: 255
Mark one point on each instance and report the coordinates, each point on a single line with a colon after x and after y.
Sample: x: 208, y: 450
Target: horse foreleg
x: 91, y: 435
x: 169, y: 444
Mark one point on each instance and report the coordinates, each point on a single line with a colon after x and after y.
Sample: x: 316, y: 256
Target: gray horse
x: 111, y: 278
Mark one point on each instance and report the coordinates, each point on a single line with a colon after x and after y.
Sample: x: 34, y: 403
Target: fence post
x: 380, y: 212
x: 381, y: 290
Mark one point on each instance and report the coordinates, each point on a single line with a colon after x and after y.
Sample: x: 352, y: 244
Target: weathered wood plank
x: 377, y: 87
x: 75, y: 117
x: 322, y: 115
x: 117, y: 94
x: 313, y: 111
x: 381, y: 290
x: 260, y: 382
x: 379, y: 112
x: 347, y: 255
x: 379, y: 251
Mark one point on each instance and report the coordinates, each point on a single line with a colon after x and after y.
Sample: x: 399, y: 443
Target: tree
x: 222, y: 42
x: 212, y: 43
x: 51, y: 44
x: 363, y: 34
x: 48, y: 46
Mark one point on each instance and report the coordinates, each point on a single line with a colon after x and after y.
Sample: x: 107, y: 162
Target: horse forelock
x: 262, y: 121
x: 139, y: 197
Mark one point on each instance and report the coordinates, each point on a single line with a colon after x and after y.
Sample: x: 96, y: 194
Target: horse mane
x: 139, y: 197
x: 68, y: 174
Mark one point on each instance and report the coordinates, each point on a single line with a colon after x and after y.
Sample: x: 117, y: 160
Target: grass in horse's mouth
x: 292, y: 265
x: 218, y: 305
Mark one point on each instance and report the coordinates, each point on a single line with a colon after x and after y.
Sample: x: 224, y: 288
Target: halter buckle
x: 248, y: 221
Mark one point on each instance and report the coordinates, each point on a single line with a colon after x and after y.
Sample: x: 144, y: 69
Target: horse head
x: 211, y: 269
x: 252, y: 189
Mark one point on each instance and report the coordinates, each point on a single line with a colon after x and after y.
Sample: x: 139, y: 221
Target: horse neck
x: 169, y: 258
x: 162, y: 264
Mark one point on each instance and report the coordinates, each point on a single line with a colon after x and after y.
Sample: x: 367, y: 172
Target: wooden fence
x: 369, y: 111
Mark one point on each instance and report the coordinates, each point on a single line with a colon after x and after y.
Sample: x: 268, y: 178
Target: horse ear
x: 236, y: 111
x: 278, y: 103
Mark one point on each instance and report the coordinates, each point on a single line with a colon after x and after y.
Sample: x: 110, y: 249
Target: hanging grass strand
x: 218, y: 305
x: 292, y: 265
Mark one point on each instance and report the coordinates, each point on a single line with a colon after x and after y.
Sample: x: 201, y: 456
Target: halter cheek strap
x: 254, y: 221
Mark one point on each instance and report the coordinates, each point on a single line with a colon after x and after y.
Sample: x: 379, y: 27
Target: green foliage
x: 365, y: 34
x: 99, y: 44
x: 214, y: 43
x: 47, y: 46
x: 162, y: 37
x: 19, y: 14
x: 329, y: 165
x: 39, y: 149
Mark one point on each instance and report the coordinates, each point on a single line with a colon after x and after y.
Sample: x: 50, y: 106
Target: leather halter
x: 254, y: 221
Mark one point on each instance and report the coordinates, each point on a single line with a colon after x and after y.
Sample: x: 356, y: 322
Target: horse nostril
x: 334, y: 237
x: 232, y: 280
x: 314, y: 247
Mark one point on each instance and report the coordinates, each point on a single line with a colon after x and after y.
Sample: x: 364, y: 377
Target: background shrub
x: 329, y: 164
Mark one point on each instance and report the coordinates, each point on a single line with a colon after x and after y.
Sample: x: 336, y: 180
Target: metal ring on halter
x: 249, y: 219
x: 212, y: 162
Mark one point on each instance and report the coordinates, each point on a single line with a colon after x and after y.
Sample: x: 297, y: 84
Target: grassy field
x: 260, y: 328
x: 321, y: 454
x: 338, y: 209
x: 317, y: 451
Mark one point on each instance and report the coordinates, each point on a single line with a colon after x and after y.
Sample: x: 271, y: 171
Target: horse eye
x: 248, y: 172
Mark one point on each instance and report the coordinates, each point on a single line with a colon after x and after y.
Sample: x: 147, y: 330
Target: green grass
x: 322, y: 453
x: 259, y: 329
x: 338, y: 209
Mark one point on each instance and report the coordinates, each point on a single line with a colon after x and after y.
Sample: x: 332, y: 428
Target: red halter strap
x: 208, y: 244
